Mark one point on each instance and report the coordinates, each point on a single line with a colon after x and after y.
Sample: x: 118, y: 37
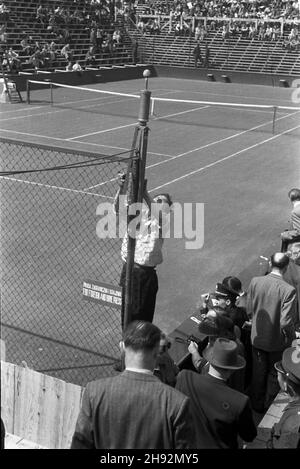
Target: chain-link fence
x: 49, y: 248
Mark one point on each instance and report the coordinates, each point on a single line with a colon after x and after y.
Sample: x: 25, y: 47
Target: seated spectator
x: 67, y: 53
x: 27, y: 48
x: 90, y: 58
x: 4, y: 13
x: 42, y: 14
x: 52, y: 52
x: 154, y: 27
x: 293, y: 46
x: 3, y: 33
x: 77, y: 67
x: 276, y: 33
x: 197, y: 32
x: 99, y: 38
x: 69, y: 67
x: 268, y: 33
x: 46, y: 56
x: 36, y: 59
x: 252, y: 31
x: 14, y: 61
x: 141, y: 26
x: 117, y: 37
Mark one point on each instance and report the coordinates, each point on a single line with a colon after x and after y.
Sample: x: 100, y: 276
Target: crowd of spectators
x: 223, y: 15
x: 258, y: 9
x: 260, y: 326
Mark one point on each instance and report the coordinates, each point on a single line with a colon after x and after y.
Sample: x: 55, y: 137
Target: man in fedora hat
x: 286, y: 433
x: 220, y: 413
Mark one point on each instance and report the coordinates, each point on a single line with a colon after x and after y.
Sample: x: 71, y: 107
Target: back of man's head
x: 279, y: 261
x: 294, y: 194
x: 141, y: 336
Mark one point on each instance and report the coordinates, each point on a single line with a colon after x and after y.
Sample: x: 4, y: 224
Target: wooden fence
x: 38, y: 407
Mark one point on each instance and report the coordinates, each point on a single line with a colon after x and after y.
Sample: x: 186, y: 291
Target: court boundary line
x: 48, y: 186
x: 233, y: 155
x: 202, y: 147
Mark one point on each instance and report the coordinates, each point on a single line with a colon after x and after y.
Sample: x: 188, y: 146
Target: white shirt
x: 148, y: 245
x: 140, y: 370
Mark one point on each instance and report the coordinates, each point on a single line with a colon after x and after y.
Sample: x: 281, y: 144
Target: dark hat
x: 221, y: 290
x: 233, y: 284
x: 224, y: 354
x: 290, y: 364
x: 216, y: 326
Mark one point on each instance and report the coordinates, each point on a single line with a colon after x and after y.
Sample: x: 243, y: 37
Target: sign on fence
x: 104, y: 293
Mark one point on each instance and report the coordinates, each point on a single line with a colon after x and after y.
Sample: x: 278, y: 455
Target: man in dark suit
x: 220, y: 413
x: 271, y: 303
x: 134, y: 410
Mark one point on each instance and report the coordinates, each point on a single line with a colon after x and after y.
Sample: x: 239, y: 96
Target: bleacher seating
x: 235, y: 53
x: 22, y: 20
x: 230, y: 54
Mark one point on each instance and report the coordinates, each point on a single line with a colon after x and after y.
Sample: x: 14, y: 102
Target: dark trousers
x: 264, y: 384
x: 144, y: 288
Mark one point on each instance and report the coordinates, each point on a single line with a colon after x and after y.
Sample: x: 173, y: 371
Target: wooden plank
x: 38, y: 407
x: 17, y: 442
x: 28, y: 387
x: 74, y: 395
x: 7, y: 395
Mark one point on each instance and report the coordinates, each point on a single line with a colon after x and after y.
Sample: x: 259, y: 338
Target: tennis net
x: 126, y: 104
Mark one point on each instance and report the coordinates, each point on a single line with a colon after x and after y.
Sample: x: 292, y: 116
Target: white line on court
x: 227, y: 95
x: 201, y: 148
x: 130, y: 125
x: 233, y: 155
x: 85, y: 143
x: 47, y: 186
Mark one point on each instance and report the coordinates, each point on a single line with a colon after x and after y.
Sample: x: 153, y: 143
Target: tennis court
x: 225, y: 157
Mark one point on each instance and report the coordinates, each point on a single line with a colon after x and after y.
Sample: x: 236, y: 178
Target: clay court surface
x: 227, y: 158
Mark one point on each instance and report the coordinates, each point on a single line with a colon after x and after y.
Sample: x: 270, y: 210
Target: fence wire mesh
x: 49, y: 248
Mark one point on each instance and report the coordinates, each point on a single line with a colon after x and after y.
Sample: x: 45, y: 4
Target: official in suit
x: 220, y: 413
x: 271, y: 303
x: 134, y: 410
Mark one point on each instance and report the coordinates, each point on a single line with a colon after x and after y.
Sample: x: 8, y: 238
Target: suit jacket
x: 272, y: 304
x: 133, y: 411
x: 220, y: 413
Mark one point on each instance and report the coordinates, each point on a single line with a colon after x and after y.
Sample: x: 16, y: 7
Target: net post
x: 274, y: 118
x: 51, y: 93
x: 28, y: 91
x: 136, y: 193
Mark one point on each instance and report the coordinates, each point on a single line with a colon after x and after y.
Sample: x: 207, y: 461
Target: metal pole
x: 274, y: 118
x: 51, y: 93
x: 136, y: 190
x: 27, y: 92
